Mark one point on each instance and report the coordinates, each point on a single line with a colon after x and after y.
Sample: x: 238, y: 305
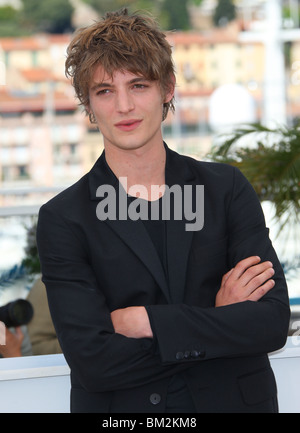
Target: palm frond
x: 10, y: 277
x: 270, y: 159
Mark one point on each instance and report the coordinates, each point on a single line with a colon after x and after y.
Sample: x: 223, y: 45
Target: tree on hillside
x: 54, y: 16
x: 224, y: 13
x: 9, y: 22
x: 50, y: 16
x: 177, y: 14
x: 172, y: 14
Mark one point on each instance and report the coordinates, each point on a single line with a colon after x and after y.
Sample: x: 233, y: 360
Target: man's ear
x: 92, y: 118
x: 171, y: 89
x: 87, y: 109
x: 91, y: 115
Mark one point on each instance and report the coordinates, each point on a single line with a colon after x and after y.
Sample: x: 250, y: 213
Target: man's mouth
x: 128, y: 125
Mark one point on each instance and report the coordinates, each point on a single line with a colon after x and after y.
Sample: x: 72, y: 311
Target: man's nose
x: 124, y: 102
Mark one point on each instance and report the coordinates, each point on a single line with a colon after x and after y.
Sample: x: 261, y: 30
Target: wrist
x: 144, y: 323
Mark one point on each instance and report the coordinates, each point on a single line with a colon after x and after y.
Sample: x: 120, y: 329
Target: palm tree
x: 270, y: 159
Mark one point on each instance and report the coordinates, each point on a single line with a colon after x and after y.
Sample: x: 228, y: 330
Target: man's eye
x: 103, y: 92
x: 139, y: 86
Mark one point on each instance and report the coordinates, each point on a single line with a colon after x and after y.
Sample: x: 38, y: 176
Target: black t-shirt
x: 179, y: 399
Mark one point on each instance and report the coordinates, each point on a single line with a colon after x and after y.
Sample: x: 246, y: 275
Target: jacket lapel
x: 178, y: 238
x: 134, y: 234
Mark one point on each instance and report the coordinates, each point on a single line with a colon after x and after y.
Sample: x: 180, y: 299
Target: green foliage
x: 36, y: 16
x: 108, y: 5
x: 171, y: 14
x: 103, y: 6
x: 9, y: 22
x: 54, y: 16
x: 224, y: 13
x: 271, y: 164
x: 288, y: 13
x: 31, y: 262
x: 7, y: 13
x: 177, y: 14
x: 51, y: 16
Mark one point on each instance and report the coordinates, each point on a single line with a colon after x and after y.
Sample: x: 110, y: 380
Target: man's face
x: 128, y: 109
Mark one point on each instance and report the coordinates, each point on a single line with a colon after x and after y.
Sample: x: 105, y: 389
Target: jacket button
x: 197, y: 354
x: 179, y: 356
x: 155, y: 398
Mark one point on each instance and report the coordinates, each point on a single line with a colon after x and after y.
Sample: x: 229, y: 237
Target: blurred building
x: 41, y: 128
x: 206, y: 61
x: 46, y: 140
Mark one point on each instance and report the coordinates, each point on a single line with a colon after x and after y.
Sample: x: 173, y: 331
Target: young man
x: 154, y: 312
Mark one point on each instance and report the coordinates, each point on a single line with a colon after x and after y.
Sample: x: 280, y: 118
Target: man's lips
x: 128, y: 125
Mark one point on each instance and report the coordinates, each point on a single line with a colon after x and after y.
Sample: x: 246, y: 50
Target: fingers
x: 226, y: 276
x: 255, y: 276
x: 250, y: 280
x: 251, y: 271
x: 244, y: 265
x: 258, y: 276
x: 257, y: 294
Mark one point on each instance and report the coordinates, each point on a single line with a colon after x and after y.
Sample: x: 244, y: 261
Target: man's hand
x: 132, y: 322
x: 249, y: 280
x: 13, y: 343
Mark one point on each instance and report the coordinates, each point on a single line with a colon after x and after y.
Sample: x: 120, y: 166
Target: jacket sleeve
x: 242, y: 329
x: 99, y: 358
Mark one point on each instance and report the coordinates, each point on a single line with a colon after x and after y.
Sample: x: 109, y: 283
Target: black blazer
x: 92, y: 267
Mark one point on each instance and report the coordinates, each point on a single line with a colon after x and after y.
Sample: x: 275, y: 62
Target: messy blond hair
x: 120, y: 42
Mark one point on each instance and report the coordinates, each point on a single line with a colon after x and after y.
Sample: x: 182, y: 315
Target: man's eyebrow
x: 138, y: 80
x: 97, y: 86
x: 102, y: 85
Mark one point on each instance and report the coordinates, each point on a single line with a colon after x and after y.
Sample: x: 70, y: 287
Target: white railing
x: 40, y: 384
x: 35, y: 384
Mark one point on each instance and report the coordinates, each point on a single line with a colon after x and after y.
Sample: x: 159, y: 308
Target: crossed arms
x: 249, y: 280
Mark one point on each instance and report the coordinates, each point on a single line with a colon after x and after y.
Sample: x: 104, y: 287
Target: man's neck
x: 143, y: 166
